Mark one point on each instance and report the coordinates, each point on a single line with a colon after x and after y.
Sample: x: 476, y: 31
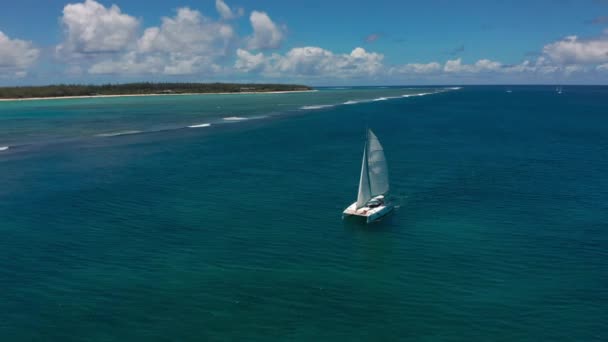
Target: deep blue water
x: 233, y: 232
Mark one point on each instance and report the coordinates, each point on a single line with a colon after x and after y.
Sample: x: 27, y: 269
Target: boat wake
x: 116, y: 134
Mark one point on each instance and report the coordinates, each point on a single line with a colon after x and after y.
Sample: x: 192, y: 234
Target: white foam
x: 454, y: 88
x: 412, y: 95
x: 316, y: 107
x: 4, y: 148
x: 380, y: 99
x: 200, y: 125
x: 234, y: 118
x: 115, y: 134
x: 351, y: 102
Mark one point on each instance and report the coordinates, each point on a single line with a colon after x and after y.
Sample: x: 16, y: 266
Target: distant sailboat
x: 373, y: 184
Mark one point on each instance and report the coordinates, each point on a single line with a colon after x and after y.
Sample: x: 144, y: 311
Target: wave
x: 4, y: 148
x: 316, y: 107
x: 351, y: 102
x: 412, y: 95
x: 453, y: 88
x: 380, y: 99
x: 234, y: 118
x: 115, y: 134
x: 200, y: 125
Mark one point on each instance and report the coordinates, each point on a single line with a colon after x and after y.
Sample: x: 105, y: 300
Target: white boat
x: 371, y: 203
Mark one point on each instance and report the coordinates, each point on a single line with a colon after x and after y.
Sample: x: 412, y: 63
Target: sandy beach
x: 137, y: 95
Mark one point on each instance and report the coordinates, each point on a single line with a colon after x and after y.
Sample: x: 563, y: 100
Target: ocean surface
x: 218, y: 217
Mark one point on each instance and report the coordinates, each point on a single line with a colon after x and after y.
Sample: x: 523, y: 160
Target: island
x: 143, y: 88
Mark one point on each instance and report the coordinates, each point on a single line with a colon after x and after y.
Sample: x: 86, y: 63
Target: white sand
x: 133, y: 95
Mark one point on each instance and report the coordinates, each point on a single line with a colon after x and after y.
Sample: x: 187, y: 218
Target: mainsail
x: 374, y: 171
x: 376, y: 164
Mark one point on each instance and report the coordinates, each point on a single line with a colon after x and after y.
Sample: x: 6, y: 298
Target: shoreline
x: 138, y: 95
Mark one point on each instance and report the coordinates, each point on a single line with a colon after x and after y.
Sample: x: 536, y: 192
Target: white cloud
x: 266, y: 34
x: 416, y: 68
x: 569, y: 69
x: 16, y: 56
x: 130, y: 63
x: 572, y: 50
x: 92, y: 28
x: 187, y: 43
x: 248, y: 62
x: 602, y: 67
x: 312, y: 61
x: 482, y: 65
x: 224, y: 10
x: 187, y: 33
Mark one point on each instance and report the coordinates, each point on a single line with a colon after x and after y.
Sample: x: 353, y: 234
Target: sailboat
x: 373, y: 184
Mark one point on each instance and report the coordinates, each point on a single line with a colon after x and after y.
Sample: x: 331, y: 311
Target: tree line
x: 60, y: 90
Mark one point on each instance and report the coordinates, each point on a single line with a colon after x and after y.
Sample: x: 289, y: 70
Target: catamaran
x: 371, y: 203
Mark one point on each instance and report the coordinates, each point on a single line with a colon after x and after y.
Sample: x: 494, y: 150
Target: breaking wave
x: 200, y: 125
x: 234, y: 118
x: 4, y: 148
x: 115, y: 134
x: 412, y: 95
x: 316, y: 107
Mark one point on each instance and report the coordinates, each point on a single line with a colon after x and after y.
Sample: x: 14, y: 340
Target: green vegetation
x: 140, y: 88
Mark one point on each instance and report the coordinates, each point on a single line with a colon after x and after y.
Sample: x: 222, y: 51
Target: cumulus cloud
x: 187, y: 43
x: 482, y: 65
x: 266, y: 34
x: 226, y: 12
x: 92, y: 28
x: 417, y: 68
x: 312, y: 61
x: 16, y: 56
x: 249, y: 62
x: 602, y: 67
x: 130, y: 63
x: 187, y: 33
x: 572, y: 50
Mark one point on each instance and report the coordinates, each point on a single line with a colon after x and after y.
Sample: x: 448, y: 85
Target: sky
x: 314, y: 42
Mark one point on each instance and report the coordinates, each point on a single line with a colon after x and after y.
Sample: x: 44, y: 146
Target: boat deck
x: 363, y: 211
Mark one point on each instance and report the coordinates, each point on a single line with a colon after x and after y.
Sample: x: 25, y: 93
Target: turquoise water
x: 119, y: 222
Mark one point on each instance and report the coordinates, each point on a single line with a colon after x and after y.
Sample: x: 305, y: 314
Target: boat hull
x: 366, y: 213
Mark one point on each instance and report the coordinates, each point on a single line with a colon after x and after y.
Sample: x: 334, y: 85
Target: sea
x: 218, y: 217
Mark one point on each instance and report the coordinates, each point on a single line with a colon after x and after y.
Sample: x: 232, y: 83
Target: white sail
x: 377, y: 167
x: 364, y: 194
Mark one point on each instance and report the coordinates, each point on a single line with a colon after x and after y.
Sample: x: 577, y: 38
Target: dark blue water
x: 233, y: 232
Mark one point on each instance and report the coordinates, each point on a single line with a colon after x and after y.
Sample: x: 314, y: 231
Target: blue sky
x: 313, y: 42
